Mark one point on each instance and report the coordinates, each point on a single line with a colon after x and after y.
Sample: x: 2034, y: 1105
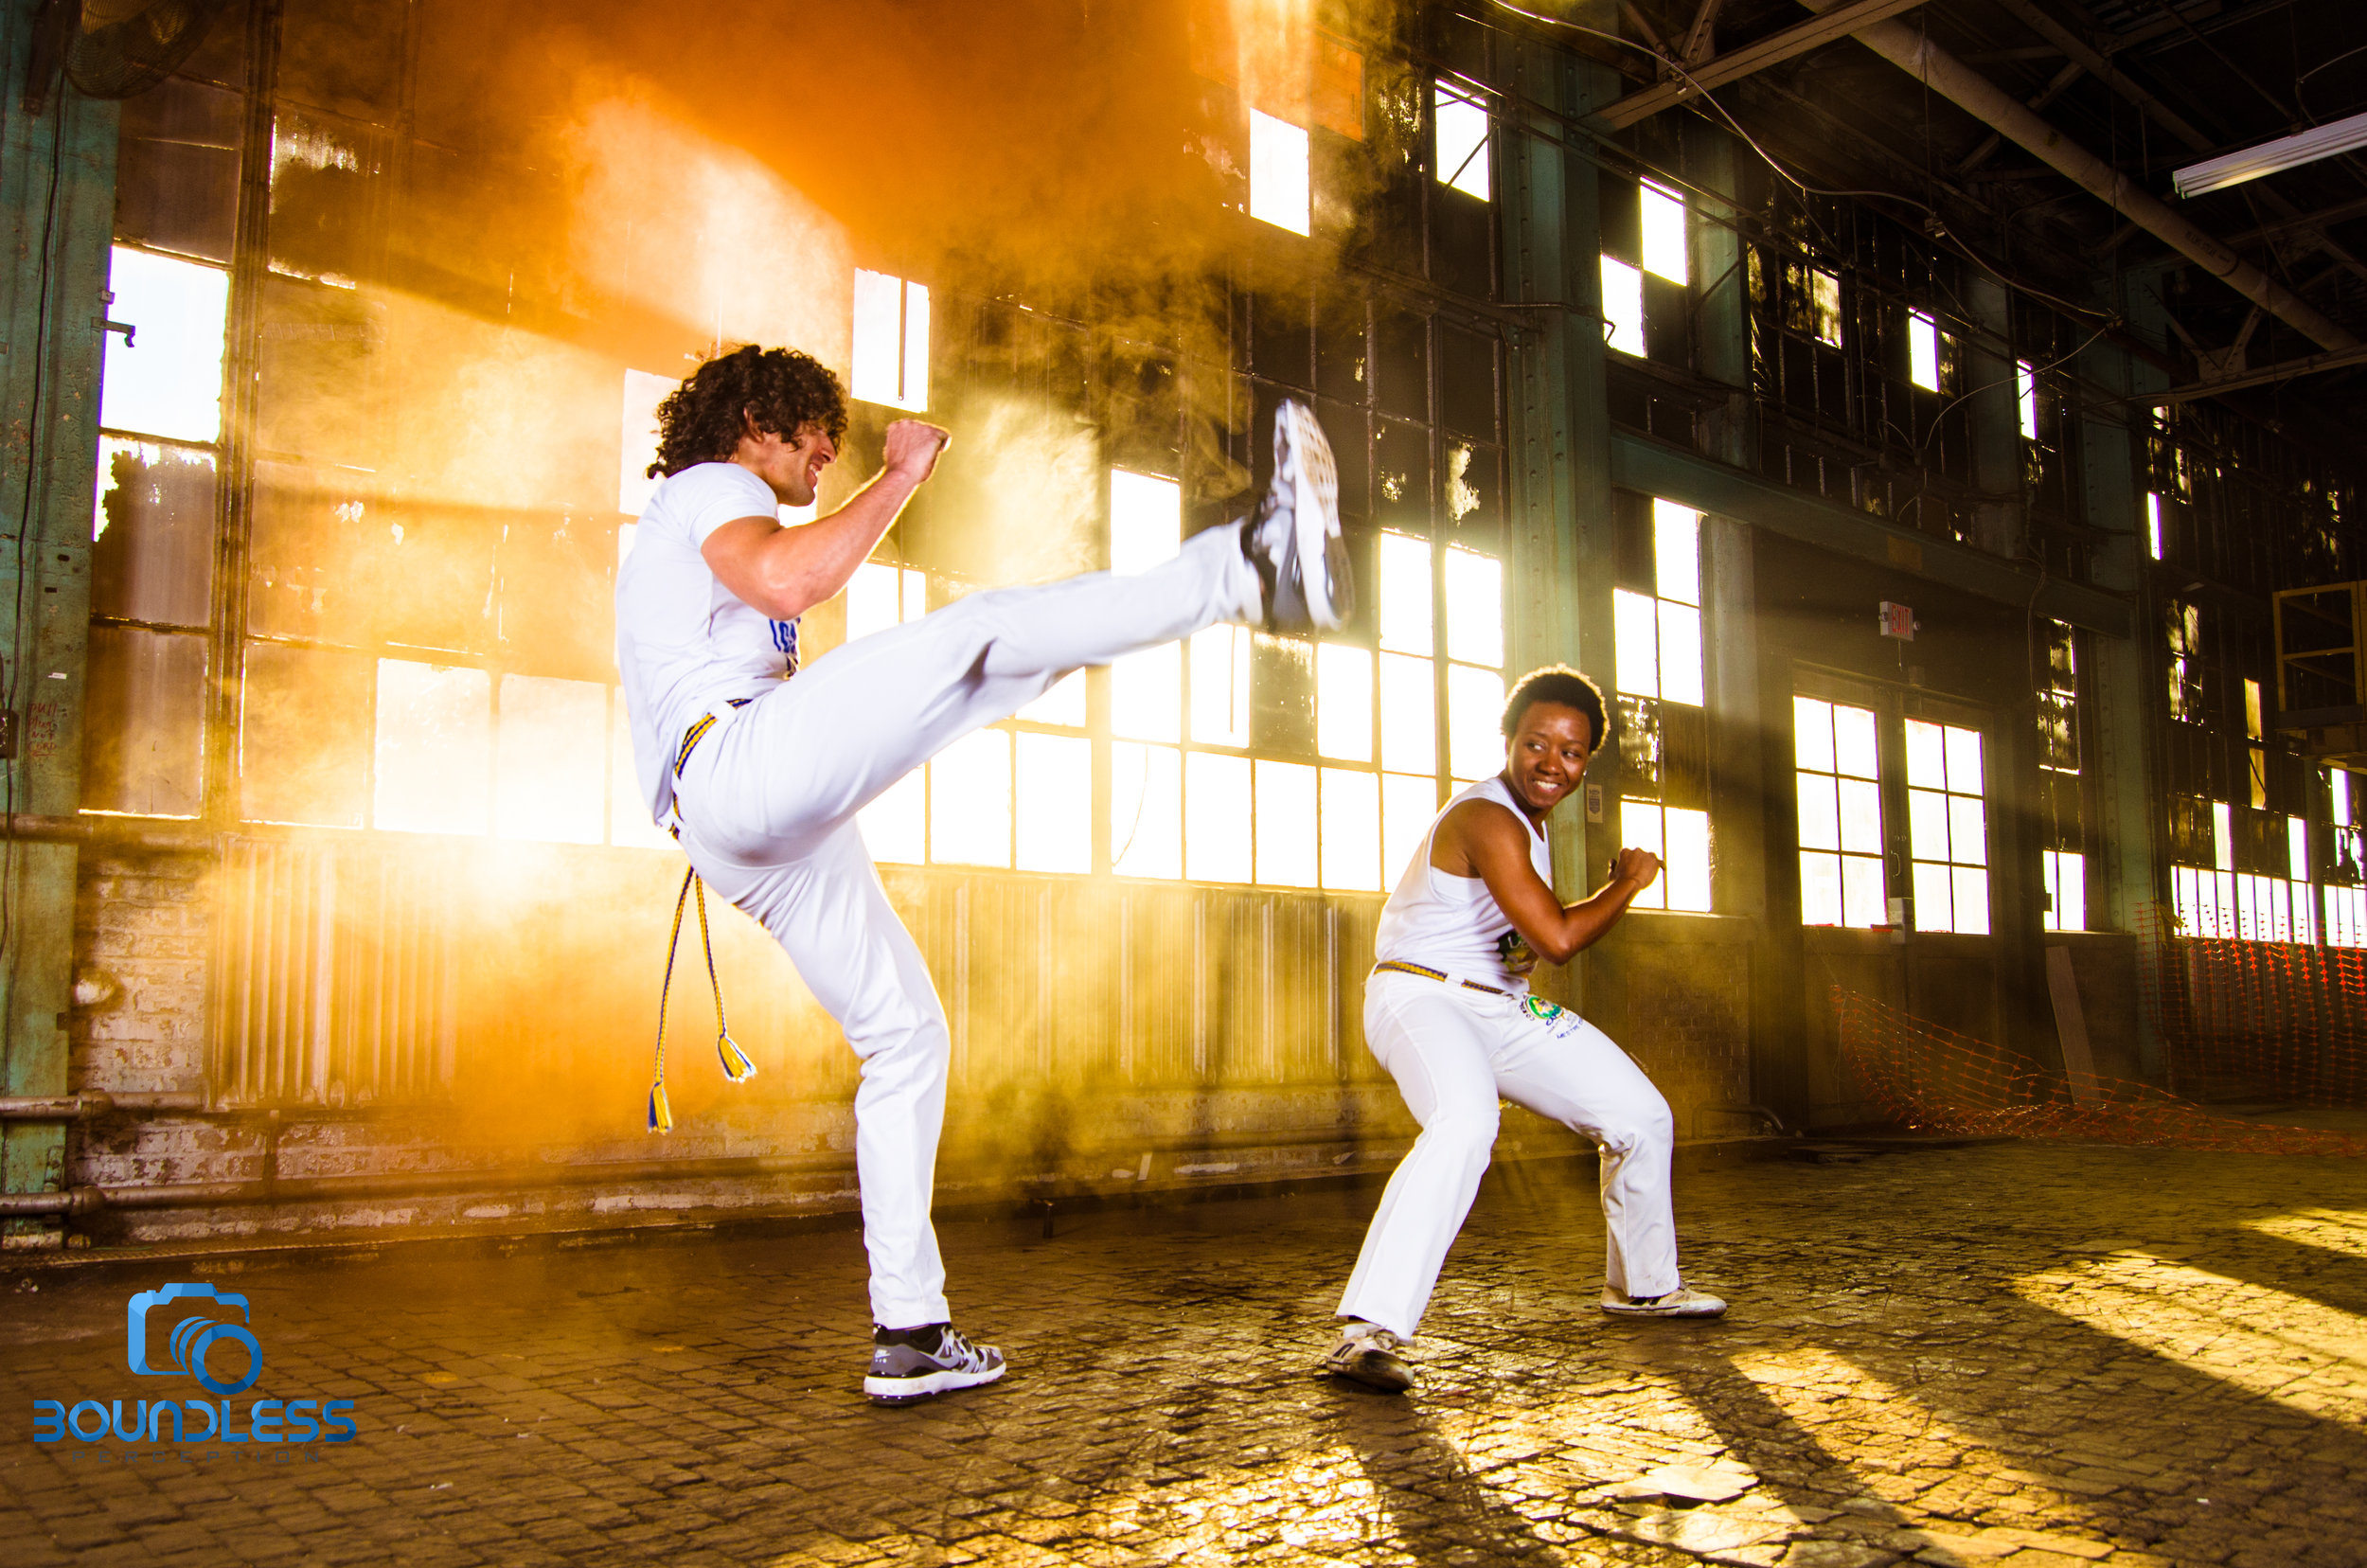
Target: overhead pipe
x: 92, y: 1103
x: 1915, y: 54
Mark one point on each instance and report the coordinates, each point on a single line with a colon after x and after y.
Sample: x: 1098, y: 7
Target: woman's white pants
x: 768, y: 800
x: 1454, y: 1054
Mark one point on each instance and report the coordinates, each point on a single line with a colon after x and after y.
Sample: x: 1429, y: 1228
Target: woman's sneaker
x: 1294, y: 538
x: 910, y: 1363
x: 1681, y: 1302
x: 1369, y: 1354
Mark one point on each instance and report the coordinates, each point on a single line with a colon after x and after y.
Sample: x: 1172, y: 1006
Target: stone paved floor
x: 2040, y: 1354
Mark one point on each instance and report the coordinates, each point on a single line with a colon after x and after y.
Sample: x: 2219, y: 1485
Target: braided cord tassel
x: 662, y: 1115
x: 736, y: 1066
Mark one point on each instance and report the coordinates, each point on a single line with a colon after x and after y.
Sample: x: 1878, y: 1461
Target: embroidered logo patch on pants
x: 1541, y: 1009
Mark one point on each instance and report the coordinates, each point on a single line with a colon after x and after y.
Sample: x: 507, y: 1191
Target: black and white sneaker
x: 1293, y: 539
x: 914, y: 1364
x: 1367, y: 1354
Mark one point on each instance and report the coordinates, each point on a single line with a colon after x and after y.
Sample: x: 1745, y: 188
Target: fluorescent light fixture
x: 2319, y: 141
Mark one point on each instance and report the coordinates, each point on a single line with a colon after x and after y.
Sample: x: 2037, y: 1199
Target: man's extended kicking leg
x: 830, y: 741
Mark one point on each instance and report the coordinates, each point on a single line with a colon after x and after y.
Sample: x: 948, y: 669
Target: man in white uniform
x: 1448, y: 1011
x: 760, y: 775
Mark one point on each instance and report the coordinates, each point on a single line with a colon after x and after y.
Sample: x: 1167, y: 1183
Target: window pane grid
x: 1836, y: 758
x: 1947, y: 827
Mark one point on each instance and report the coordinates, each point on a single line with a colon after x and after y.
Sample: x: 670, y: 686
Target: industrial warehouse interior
x: 1938, y: 430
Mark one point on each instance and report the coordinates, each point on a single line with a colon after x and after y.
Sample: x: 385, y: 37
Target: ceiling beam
x: 1914, y: 53
x: 2268, y: 375
x: 1734, y: 64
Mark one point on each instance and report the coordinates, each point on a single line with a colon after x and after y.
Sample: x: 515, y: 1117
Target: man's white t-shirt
x: 686, y: 642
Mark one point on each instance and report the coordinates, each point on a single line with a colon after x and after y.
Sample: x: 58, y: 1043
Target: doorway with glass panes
x: 1893, y: 789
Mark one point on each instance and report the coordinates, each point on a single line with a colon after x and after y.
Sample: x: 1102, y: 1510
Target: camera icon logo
x: 192, y: 1337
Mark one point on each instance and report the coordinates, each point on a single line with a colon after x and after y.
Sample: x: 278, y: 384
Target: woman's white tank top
x: 1452, y: 923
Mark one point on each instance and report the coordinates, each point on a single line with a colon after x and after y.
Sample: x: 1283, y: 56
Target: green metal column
x: 2124, y: 880
x: 57, y: 193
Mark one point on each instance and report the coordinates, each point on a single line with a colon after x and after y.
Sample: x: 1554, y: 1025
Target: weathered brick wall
x: 142, y: 933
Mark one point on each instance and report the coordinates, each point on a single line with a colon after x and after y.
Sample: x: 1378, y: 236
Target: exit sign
x: 1898, y: 620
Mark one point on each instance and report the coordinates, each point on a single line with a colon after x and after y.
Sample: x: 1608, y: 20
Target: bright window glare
x: 1461, y: 123
x: 170, y: 382
x: 1351, y: 830
x: 1408, y: 715
x: 1407, y: 805
x: 1215, y: 817
x: 1664, y: 233
x: 1475, y: 607
x: 2067, y: 891
x: 1286, y: 825
x: 1623, y: 307
x: 970, y: 805
x: 547, y: 776
x: 1063, y: 704
x: 434, y: 750
x: 891, y: 342
x: 638, y: 439
x: 1277, y: 172
x: 896, y: 825
x: 1923, y: 350
x: 2026, y: 386
x: 1677, y: 551
x: 1475, y: 702
x: 1146, y: 521
x: 1639, y: 828
x: 1221, y: 662
x: 1056, y: 803
x: 1146, y: 810
x: 1405, y: 606
x: 2153, y: 524
x: 629, y: 823
x: 1343, y: 702
x: 1687, y: 871
x: 1634, y: 638
x: 1147, y: 694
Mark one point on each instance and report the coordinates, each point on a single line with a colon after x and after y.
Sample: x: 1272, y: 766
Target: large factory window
x: 1278, y: 181
x: 1623, y: 307
x: 1838, y: 758
x: 2257, y: 886
x: 2062, y: 825
x: 891, y: 342
x: 2346, y: 900
x: 1459, y: 114
x: 1948, y: 835
x: 1656, y: 629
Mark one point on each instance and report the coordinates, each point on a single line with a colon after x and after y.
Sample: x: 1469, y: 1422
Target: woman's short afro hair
x: 781, y: 389
x: 1557, y: 683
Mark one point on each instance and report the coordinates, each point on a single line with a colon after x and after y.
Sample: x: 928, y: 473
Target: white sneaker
x: 1369, y: 1354
x: 1681, y: 1302
x: 1293, y: 539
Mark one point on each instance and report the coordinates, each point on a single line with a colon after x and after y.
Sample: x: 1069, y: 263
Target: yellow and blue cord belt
x: 737, y: 1067
x: 1399, y: 966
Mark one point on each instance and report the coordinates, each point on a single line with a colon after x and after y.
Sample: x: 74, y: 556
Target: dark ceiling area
x: 2147, y: 87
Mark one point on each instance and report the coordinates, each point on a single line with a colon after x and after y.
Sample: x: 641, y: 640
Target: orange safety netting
x: 2250, y: 1020
x: 1935, y: 1080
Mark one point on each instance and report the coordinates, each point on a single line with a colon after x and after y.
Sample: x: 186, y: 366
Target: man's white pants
x: 768, y: 802
x: 1455, y: 1053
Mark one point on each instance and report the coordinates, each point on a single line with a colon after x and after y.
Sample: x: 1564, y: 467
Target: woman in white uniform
x: 1448, y: 1011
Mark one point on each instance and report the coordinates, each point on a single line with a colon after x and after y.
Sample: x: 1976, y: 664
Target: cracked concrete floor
x: 2039, y: 1355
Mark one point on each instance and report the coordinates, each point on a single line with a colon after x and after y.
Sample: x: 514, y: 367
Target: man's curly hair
x: 782, y: 390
